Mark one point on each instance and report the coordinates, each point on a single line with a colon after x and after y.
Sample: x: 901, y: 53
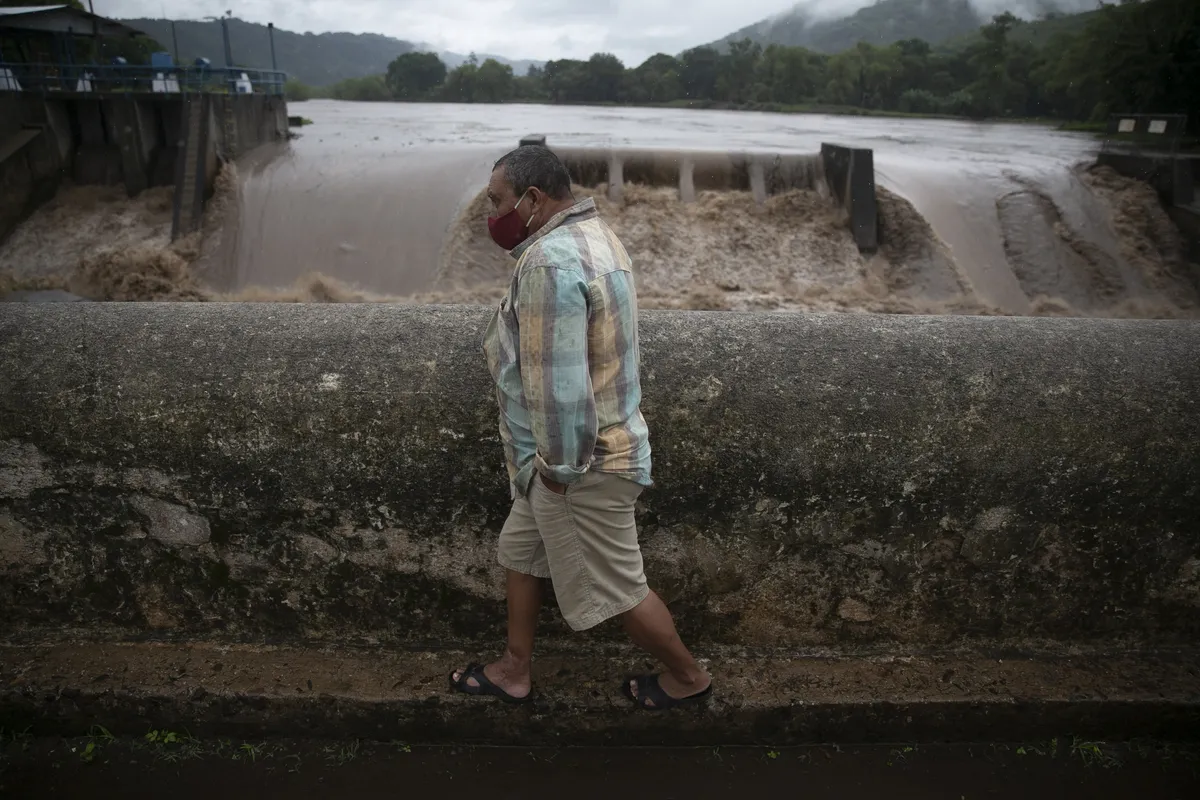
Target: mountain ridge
x: 316, y: 59
x: 888, y: 21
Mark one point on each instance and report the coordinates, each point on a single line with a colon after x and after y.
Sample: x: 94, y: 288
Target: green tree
x: 414, y: 76
x: 566, y: 81
x: 791, y: 74
x: 605, y: 75
x: 530, y: 86
x: 698, y: 73
x: 994, y: 89
x: 460, y: 83
x: 844, y: 80
x: 493, y: 83
x: 736, y: 72
x: 297, y: 92
x: 372, y: 88
x: 655, y: 80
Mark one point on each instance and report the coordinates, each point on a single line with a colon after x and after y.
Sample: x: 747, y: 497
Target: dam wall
x: 251, y: 518
x: 130, y: 139
x: 848, y: 174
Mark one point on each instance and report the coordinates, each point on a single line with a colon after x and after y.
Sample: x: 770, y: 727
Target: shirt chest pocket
x: 503, y: 336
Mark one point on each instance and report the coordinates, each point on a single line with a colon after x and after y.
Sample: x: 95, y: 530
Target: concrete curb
x: 259, y: 691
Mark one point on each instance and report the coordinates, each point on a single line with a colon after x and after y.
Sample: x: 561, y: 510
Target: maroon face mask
x: 508, y: 230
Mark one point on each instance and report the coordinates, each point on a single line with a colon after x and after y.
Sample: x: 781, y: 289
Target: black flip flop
x: 650, y: 689
x: 485, y: 688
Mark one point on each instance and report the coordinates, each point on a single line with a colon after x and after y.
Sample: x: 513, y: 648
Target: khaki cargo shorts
x: 585, y: 542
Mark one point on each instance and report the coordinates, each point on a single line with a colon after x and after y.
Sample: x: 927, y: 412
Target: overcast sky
x: 536, y: 29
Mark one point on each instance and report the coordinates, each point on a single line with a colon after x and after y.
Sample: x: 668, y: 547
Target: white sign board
x: 1158, y: 126
x: 8, y: 81
x: 1126, y: 126
x: 161, y: 84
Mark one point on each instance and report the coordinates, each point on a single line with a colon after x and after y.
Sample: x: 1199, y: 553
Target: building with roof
x: 73, y: 107
x: 55, y: 34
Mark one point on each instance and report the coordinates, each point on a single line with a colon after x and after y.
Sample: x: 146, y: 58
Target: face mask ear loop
x: 531, y: 210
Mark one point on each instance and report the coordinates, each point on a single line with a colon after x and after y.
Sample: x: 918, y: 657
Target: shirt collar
x: 582, y: 207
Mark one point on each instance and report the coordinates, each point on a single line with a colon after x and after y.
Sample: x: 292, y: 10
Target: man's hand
x: 554, y: 486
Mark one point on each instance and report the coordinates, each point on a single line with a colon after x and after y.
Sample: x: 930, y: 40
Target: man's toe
x: 460, y: 676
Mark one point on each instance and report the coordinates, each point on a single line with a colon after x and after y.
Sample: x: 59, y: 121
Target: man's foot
x: 664, y: 691
x: 504, y: 679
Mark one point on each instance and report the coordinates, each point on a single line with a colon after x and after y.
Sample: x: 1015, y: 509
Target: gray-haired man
x: 563, y: 350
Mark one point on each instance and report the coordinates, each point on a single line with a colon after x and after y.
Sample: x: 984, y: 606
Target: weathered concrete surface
x: 114, y: 138
x: 850, y: 174
x: 30, y: 164
x: 689, y: 170
x: 256, y: 691
x: 332, y: 473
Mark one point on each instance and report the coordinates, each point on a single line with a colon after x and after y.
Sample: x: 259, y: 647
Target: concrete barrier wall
x: 30, y: 163
x: 846, y: 482
x: 1171, y: 177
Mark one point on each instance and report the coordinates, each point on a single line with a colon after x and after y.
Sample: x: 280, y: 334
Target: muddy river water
x: 369, y: 190
x: 381, y: 201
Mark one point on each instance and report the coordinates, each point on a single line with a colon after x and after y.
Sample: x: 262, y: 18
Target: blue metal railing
x: 105, y: 78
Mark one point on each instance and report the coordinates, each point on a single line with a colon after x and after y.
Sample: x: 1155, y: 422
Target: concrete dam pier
x: 136, y: 139
x: 272, y: 519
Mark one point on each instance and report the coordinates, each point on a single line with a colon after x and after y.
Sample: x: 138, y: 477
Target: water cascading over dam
x: 383, y: 203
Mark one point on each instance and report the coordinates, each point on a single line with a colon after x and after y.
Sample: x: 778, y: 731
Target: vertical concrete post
x: 758, y: 181
x: 863, y: 207
x: 687, y: 180
x: 850, y: 174
x: 616, y: 177
x: 1183, y: 188
x: 126, y: 124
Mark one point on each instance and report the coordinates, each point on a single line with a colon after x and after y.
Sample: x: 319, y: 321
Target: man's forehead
x: 499, y: 184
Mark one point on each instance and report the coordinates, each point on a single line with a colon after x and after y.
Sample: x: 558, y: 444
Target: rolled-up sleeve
x: 552, y: 312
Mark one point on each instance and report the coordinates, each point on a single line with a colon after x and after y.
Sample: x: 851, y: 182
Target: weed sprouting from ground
x: 343, y: 753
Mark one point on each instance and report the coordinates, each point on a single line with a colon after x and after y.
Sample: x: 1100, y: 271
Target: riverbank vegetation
x: 1135, y: 56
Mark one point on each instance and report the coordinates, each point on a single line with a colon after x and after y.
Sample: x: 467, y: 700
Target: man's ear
x: 537, y: 199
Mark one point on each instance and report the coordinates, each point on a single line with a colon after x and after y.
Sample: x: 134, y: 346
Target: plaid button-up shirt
x: 563, y: 350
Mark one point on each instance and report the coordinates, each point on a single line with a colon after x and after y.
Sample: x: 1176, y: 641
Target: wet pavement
x: 166, y: 765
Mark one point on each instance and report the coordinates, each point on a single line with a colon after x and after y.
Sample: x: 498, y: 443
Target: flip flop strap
x: 485, y: 687
x: 475, y: 671
x: 650, y: 689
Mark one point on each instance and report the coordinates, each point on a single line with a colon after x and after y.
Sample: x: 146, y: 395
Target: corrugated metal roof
x: 5, y: 12
x: 61, y: 19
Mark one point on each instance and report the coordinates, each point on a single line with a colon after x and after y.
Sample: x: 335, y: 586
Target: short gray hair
x: 535, y: 165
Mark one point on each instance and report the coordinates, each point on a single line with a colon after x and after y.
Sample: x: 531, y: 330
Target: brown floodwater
x: 380, y: 202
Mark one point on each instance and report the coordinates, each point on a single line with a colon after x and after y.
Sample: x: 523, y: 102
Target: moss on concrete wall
x: 842, y: 481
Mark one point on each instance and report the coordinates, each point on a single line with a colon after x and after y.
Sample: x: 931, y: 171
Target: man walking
x: 563, y: 350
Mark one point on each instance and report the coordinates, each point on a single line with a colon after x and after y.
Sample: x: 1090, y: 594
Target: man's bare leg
x: 511, y: 671
x: 650, y: 626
